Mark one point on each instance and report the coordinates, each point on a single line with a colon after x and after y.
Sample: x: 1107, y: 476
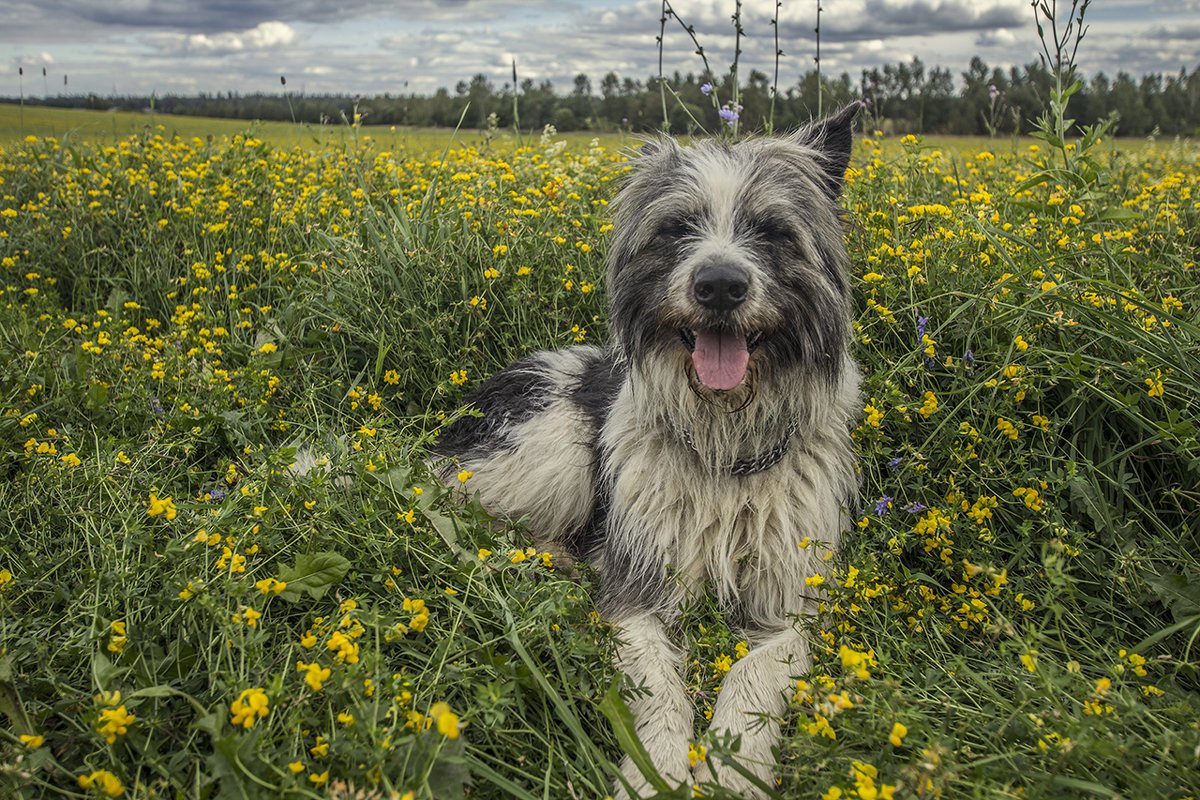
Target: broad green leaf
x: 313, y: 573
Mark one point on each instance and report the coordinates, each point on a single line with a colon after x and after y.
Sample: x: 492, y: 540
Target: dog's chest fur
x: 754, y: 537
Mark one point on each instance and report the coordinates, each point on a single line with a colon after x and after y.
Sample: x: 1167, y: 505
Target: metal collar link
x: 749, y: 466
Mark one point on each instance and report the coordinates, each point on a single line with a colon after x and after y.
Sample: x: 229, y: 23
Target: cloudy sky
x: 401, y: 46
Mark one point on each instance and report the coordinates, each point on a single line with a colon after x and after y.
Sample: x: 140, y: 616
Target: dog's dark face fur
x: 727, y: 262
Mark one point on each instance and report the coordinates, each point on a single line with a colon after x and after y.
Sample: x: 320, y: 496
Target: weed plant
x: 1015, y: 613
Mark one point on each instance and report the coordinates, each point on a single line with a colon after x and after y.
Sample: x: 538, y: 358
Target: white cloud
x: 1001, y: 37
x: 264, y: 36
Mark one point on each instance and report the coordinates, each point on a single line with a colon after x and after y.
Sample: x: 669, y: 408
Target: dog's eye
x: 676, y: 228
x: 772, y: 230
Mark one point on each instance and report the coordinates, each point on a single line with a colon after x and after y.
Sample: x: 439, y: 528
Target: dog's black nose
x: 721, y: 288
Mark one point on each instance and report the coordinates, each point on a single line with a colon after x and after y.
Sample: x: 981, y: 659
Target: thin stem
x: 662, y: 91
x: 737, y: 55
x: 817, y: 30
x: 775, y: 77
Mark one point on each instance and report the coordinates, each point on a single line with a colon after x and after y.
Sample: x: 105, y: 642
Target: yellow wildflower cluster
x: 250, y: 706
x: 114, y: 722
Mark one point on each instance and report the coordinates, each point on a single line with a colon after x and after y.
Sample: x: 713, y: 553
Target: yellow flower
x: 319, y: 780
x: 32, y: 742
x: 71, y: 460
x: 296, y: 767
x: 1154, y: 386
x: 163, y: 506
x: 250, y: 705
x: 1029, y: 660
x: 108, y: 784
x: 320, y: 749
x: 898, y: 734
x: 347, y: 650
x: 465, y: 475
x: 484, y: 553
x: 270, y: 586
x: 117, y: 640
x: 446, y: 721
x: 874, y: 415
x: 857, y: 661
x: 930, y: 405
x: 114, y: 722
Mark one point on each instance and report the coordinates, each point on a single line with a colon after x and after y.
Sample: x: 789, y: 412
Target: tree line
x: 900, y: 98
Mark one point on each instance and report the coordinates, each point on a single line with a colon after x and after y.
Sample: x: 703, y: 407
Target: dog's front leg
x: 753, y: 697
x: 664, y: 716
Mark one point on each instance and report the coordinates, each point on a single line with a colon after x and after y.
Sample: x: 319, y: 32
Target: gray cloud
x: 222, y: 16
x: 369, y: 46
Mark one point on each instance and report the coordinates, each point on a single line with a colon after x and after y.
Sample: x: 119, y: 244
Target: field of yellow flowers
x: 1015, y: 615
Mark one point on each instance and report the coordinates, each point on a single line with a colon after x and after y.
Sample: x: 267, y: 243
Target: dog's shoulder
x: 597, y: 384
x: 515, y: 395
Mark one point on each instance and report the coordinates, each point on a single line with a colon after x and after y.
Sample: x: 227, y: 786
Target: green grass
x: 71, y: 126
x: 177, y: 315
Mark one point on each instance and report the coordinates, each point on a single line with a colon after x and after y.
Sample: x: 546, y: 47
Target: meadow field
x: 1015, y: 615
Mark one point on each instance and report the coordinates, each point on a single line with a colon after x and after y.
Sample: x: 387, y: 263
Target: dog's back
x: 532, y: 449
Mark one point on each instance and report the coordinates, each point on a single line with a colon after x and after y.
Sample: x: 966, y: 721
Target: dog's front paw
x: 717, y: 770
x: 675, y: 771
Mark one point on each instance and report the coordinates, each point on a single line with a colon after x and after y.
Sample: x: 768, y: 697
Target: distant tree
x: 1126, y: 100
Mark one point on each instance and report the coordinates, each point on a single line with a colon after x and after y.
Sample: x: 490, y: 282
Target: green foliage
x: 1015, y: 612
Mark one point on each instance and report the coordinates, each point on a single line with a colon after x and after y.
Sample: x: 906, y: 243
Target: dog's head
x: 728, y: 261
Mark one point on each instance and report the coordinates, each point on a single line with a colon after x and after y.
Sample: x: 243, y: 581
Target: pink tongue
x: 720, y: 359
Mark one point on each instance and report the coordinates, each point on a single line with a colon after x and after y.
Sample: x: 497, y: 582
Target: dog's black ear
x: 832, y: 137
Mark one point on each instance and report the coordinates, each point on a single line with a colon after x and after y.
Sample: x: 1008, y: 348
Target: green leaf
x: 10, y: 702
x: 313, y: 573
x: 96, y: 397
x: 625, y: 729
x: 1179, y: 593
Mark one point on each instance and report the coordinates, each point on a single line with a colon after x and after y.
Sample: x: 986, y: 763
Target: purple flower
x: 895, y: 463
x: 706, y: 89
x: 921, y: 323
x: 217, y: 493
x: 915, y: 507
x: 155, y: 405
x: 728, y: 114
x: 968, y: 359
x: 993, y: 92
x: 881, y: 505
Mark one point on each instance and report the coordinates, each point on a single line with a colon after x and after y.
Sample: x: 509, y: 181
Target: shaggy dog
x: 709, y: 440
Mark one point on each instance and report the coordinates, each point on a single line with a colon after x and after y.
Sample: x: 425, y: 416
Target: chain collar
x: 755, y: 464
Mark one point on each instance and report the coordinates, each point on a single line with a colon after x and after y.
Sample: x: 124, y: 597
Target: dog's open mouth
x: 719, y: 356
